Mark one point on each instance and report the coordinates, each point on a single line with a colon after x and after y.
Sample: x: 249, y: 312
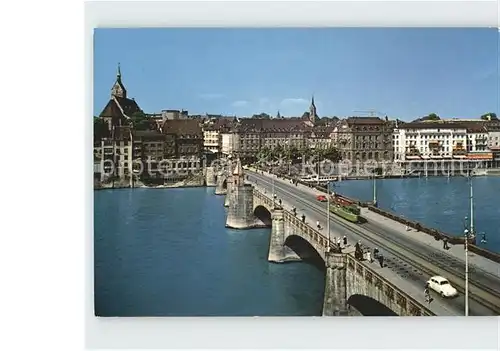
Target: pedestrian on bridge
x: 345, y: 240
x: 381, y: 260
x: 369, y: 256
x: 339, y: 243
x: 445, y: 243
x: 317, y: 225
x: 303, y: 218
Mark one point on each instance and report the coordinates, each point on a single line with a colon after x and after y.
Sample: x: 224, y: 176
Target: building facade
x: 453, y: 140
x: 360, y: 139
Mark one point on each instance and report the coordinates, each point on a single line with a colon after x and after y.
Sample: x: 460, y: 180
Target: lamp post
x: 374, y: 190
x: 466, y: 238
x: 467, y: 233
x: 328, y: 215
x: 274, y: 195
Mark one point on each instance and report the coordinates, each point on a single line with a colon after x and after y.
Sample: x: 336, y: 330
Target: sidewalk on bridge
x: 456, y: 251
x: 411, y: 289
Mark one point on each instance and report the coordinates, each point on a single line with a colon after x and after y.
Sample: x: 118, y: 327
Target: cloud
x: 211, y: 96
x: 294, y: 102
x: 240, y: 103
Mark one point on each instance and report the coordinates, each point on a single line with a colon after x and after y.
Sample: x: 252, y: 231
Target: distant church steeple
x: 278, y: 115
x: 312, y: 111
x: 118, y: 89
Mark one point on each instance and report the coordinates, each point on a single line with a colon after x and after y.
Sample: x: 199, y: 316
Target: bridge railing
x: 391, y: 291
x: 303, y: 227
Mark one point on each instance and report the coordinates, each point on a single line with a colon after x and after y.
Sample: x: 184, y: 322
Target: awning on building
x: 480, y: 156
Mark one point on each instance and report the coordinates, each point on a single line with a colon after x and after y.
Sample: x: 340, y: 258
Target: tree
x: 264, y: 154
x: 101, y: 129
x: 332, y: 154
x: 262, y: 115
x: 140, y: 121
x: 433, y: 117
x: 278, y: 151
x: 489, y: 116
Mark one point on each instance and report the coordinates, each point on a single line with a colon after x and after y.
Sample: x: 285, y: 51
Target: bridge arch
x: 305, y: 250
x: 368, y: 306
x: 262, y: 213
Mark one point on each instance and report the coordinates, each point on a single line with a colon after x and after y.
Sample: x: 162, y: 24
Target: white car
x: 442, y: 286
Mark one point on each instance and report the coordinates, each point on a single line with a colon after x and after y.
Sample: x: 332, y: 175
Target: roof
x: 365, y: 120
x: 438, y: 278
x: 428, y: 125
x: 323, y: 131
x: 238, y: 170
x: 271, y: 125
x: 120, y: 107
x: 182, y: 127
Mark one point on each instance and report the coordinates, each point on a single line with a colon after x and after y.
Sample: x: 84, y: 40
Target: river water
x: 166, y: 252
x: 437, y: 202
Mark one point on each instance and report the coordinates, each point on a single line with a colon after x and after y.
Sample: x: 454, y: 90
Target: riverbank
x: 192, y: 182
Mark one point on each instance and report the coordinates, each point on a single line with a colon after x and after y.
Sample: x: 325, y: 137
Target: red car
x: 321, y: 198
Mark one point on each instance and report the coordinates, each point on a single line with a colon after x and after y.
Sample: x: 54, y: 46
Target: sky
x: 403, y: 73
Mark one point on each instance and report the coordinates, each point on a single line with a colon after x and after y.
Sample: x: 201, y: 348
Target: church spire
x: 118, y: 89
x: 312, y: 111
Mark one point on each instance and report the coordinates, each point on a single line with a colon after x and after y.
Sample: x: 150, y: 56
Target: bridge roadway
x: 408, y: 258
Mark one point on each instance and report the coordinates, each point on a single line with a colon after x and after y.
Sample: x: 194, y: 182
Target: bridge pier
x: 219, y: 187
x: 335, y: 299
x: 210, y: 178
x: 229, y: 187
x: 278, y: 251
x: 277, y: 238
x: 240, y: 201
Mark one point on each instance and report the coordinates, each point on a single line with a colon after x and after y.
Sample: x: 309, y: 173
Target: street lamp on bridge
x: 328, y: 215
x: 468, y: 233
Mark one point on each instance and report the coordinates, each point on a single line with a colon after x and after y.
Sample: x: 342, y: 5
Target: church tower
x: 312, y: 112
x: 118, y: 89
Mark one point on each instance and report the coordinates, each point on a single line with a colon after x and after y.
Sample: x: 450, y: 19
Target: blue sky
x: 402, y: 73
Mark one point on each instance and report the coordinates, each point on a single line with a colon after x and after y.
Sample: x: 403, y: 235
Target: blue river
x: 166, y: 252
x: 438, y: 202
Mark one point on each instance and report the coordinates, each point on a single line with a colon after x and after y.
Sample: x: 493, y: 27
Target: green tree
x: 332, y: 154
x: 489, y: 116
x: 140, y: 121
x: 278, y: 151
x: 101, y: 129
x: 433, y: 117
x: 306, y: 152
x: 264, y: 153
x: 262, y: 115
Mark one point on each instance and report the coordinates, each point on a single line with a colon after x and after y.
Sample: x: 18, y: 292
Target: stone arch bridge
x: 347, y: 279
